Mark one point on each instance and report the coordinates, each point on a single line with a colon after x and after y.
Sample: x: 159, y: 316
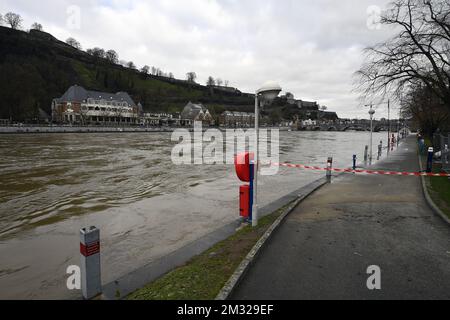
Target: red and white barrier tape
x: 382, y: 172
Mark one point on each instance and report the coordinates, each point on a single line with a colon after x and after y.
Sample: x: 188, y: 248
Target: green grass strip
x: 203, y: 276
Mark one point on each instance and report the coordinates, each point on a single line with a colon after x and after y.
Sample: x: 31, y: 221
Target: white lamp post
x: 371, y: 112
x: 268, y: 92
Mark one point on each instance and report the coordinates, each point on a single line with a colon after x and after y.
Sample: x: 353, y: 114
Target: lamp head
x: 269, y: 91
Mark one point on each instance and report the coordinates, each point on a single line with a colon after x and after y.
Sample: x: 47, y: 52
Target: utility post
x: 430, y: 160
x: 329, y: 167
x: 371, y: 113
x: 389, y: 126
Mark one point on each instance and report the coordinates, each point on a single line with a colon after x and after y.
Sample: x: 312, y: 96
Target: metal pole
x: 380, y: 150
x: 430, y: 160
x: 256, y: 169
x: 329, y: 166
x: 91, y: 283
x: 446, y: 154
x: 371, y: 137
x: 252, y: 173
x: 389, y: 126
x: 366, y: 151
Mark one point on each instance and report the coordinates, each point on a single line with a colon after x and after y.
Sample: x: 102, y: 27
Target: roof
x: 307, y: 104
x: 191, y: 110
x: 329, y: 115
x: 79, y: 94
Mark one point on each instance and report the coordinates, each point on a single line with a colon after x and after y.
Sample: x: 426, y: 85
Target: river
x: 125, y: 184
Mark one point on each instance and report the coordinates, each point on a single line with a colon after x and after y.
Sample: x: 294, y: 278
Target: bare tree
x: 37, y: 26
x: 84, y: 115
x: 145, y: 69
x: 14, y: 20
x: 73, y: 43
x: 422, y: 106
x: 154, y: 71
x: 210, y: 81
x: 191, y: 76
x: 226, y: 83
x: 112, y: 56
x: 96, y: 52
x: 171, y: 76
x: 118, y: 114
x: 219, y: 82
x: 131, y: 65
x: 1, y: 19
x: 417, y: 55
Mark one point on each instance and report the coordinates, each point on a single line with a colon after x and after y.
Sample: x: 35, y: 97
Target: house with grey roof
x: 81, y: 106
x: 196, y: 112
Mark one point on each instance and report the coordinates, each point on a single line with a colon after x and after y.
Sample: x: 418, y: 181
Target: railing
x: 441, y: 143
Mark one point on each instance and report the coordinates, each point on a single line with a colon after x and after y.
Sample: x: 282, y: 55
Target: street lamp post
x: 371, y: 112
x: 268, y: 92
x: 389, y: 125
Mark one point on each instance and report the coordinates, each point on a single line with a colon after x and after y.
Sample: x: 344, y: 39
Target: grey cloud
x: 311, y: 47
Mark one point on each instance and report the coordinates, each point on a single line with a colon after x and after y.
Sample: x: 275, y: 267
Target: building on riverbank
x: 193, y: 112
x: 233, y: 119
x: 81, y: 106
x: 160, y: 119
x: 328, y: 116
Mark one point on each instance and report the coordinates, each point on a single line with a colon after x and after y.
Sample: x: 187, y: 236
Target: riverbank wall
x: 68, y: 129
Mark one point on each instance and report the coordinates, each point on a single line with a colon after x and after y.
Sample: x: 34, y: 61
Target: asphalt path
x: 325, y: 246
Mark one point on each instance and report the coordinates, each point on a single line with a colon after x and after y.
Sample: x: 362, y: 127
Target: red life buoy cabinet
x: 242, y: 165
x: 244, y: 201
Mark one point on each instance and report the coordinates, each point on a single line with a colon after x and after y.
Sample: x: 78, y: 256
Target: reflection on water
x: 51, y: 185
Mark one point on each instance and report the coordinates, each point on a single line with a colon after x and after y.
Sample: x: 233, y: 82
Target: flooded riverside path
x: 125, y: 184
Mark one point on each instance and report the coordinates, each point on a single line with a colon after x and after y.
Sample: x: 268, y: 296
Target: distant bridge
x: 339, y: 127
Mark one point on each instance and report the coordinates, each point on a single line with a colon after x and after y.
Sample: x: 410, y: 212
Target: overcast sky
x: 312, y: 48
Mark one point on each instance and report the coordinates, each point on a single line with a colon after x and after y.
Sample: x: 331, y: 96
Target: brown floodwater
x: 51, y: 185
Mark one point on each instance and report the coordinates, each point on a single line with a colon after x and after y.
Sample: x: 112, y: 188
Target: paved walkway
x: 323, y: 248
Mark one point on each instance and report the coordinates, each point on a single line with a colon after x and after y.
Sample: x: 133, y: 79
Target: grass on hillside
x: 47, y: 68
x: 204, y: 276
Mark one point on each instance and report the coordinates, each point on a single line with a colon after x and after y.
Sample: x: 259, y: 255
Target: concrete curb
x: 428, y: 199
x: 238, y: 275
x: 136, y: 279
